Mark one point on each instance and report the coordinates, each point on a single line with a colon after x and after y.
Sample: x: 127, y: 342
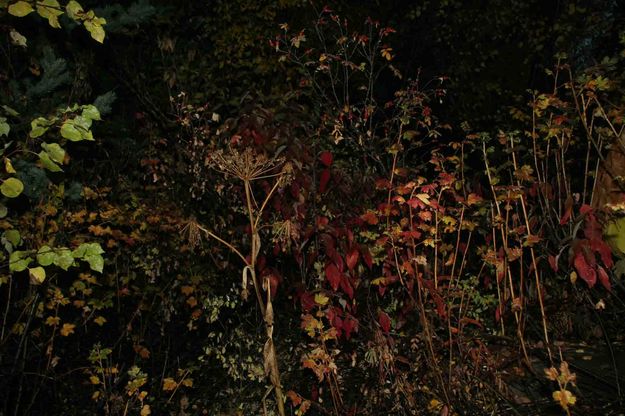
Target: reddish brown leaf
x: 384, y: 321
x: 366, y: 256
x: 346, y: 286
x: 586, y: 272
x: 553, y: 262
x: 351, y: 259
x: 333, y: 275
x: 568, y: 208
x: 349, y: 325
x: 326, y: 158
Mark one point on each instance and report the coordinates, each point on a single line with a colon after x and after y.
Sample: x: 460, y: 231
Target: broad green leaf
x: 13, y: 237
x: 96, y: 262
x: 39, y: 126
x: 46, y: 256
x: 11, y: 187
x: 4, y: 127
x: 70, y: 132
x: 17, y: 38
x: 8, y: 166
x: 20, y: 9
x: 74, y: 10
x: 94, y: 26
x: 55, y: 151
x: 37, y: 275
x: 87, y: 249
x: 19, y: 261
x: 47, y: 163
x: 64, y: 258
x: 51, y: 10
x: 3, y: 211
x: 91, y: 112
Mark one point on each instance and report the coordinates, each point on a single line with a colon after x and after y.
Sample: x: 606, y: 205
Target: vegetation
x: 285, y: 208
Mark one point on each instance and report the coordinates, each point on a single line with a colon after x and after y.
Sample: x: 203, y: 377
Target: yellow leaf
x: 67, y: 329
x: 94, y: 25
x: 425, y: 198
x: 387, y: 53
x: 20, y: 9
x: 169, y: 384
x: 187, y: 290
x: 8, y: 166
x: 37, y: 275
x: 100, y: 320
x: 188, y: 382
x: 53, y: 320
x: 94, y: 379
x: 145, y: 410
x: 321, y: 299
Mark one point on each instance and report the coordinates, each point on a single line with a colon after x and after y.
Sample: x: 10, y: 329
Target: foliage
x: 397, y: 253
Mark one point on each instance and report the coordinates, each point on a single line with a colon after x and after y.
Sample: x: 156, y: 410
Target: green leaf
x: 20, y: 9
x: 51, y: 10
x: 615, y: 234
x: 64, y: 258
x: 13, y: 237
x: 37, y: 275
x: 87, y: 249
x: 4, y: 127
x: 47, y: 163
x: 96, y: 262
x: 91, y: 112
x: 11, y: 187
x: 70, y: 132
x: 74, y: 10
x: 39, y: 126
x: 46, y: 256
x: 55, y: 151
x: 3, y: 211
x: 19, y: 261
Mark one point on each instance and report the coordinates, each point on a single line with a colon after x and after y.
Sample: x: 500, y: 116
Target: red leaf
x: 604, y: 251
x: 585, y: 271
x: 333, y: 275
x: 567, y: 213
x: 351, y: 259
x: 585, y: 209
x: 347, y: 287
x: 370, y: 218
x: 307, y: 300
x: 326, y: 158
x: 384, y: 321
x: 323, y: 180
x: 604, y: 278
x: 349, y: 325
x: 366, y: 256
x: 553, y: 262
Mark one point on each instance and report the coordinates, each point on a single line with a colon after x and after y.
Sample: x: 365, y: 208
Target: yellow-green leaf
x: 47, y: 163
x: 94, y: 26
x: 11, y: 187
x: 74, y: 10
x: 17, y: 38
x: 20, y: 9
x: 55, y: 151
x: 8, y: 166
x: 70, y: 132
x: 37, y: 275
x: 50, y: 10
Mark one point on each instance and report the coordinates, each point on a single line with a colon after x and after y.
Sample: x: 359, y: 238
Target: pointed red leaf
x: 333, y: 275
x: 326, y: 158
x: 586, y: 272
x: 384, y: 321
x: 366, y: 256
x: 351, y: 259
x: 553, y: 262
x: 346, y: 286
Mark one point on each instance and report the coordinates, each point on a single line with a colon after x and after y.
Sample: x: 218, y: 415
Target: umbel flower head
x: 247, y: 165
